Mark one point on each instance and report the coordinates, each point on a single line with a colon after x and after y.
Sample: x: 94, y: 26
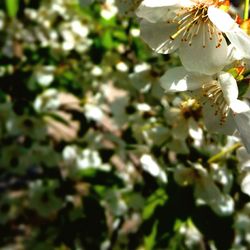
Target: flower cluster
x: 213, y: 50
x: 94, y: 154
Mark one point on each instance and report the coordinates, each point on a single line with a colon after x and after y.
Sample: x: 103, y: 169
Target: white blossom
x: 244, y: 170
x: 223, y: 111
x: 194, y: 27
x: 205, y: 190
x: 152, y: 167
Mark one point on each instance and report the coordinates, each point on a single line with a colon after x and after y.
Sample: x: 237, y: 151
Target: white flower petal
x: 229, y: 86
x: 157, y: 11
x: 159, y: 3
x: 180, y: 130
x: 244, y: 158
x: 233, y: 54
x: 245, y: 184
x: 178, y: 146
x: 221, y: 19
x: 239, y: 106
x: 223, y: 206
x: 240, y: 40
x: 184, y: 176
x: 178, y: 79
x: 167, y: 3
x: 194, y: 130
x: 213, y: 122
x: 186, y: 3
x: 206, y: 60
x: 206, y: 190
x: 157, y: 36
x: 151, y: 166
x: 242, y: 121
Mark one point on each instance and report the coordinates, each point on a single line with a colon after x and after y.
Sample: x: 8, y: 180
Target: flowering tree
x: 124, y: 124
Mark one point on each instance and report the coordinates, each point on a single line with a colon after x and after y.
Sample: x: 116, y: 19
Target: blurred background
x: 93, y: 154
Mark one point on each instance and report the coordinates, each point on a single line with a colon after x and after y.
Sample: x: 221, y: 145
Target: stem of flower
x: 221, y: 154
x: 246, y: 10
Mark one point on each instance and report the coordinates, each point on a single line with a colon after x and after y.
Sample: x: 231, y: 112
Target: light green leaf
x: 12, y: 7
x: 158, y: 198
x: 149, y: 240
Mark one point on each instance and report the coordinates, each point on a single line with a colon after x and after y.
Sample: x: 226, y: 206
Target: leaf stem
x: 221, y: 154
x: 246, y: 10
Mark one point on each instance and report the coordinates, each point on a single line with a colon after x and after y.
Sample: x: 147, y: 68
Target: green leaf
x: 107, y: 40
x: 12, y: 7
x: 150, y: 240
x: 158, y: 198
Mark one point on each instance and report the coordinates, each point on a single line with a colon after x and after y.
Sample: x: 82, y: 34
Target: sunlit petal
x: 157, y: 12
x: 242, y: 121
x: 157, y: 36
x: 159, y: 3
x: 229, y: 86
x: 178, y: 79
x: 204, y: 55
x: 213, y: 121
x: 239, y: 106
x: 221, y: 19
x: 240, y: 40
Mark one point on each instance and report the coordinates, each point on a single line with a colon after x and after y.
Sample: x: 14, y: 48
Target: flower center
x: 193, y: 21
x: 214, y: 93
x: 190, y: 108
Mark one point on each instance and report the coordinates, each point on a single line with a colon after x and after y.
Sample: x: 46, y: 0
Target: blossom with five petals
x: 218, y: 93
x: 196, y: 28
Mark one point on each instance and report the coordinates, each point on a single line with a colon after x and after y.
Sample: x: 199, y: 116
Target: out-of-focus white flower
x: 2, y: 21
x: 121, y: 66
x: 193, y: 27
x: 31, y: 13
x: 141, y: 67
x: 135, y: 32
x: 80, y: 158
x: 142, y: 78
x: 205, y: 190
x: 69, y: 40
x: 70, y: 153
x: 45, y: 75
x: 244, y: 169
x: 242, y: 226
x: 59, y: 8
x: 115, y: 202
x: 183, y: 120
x: 152, y: 167
x: 193, y: 236
x: 244, y: 158
x: 108, y: 9
x: 88, y: 159
x: 93, y: 112
x: 96, y: 71
x: 222, y: 175
x: 223, y: 111
x: 79, y: 29
x: 74, y: 35
x: 48, y: 100
x: 143, y: 107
